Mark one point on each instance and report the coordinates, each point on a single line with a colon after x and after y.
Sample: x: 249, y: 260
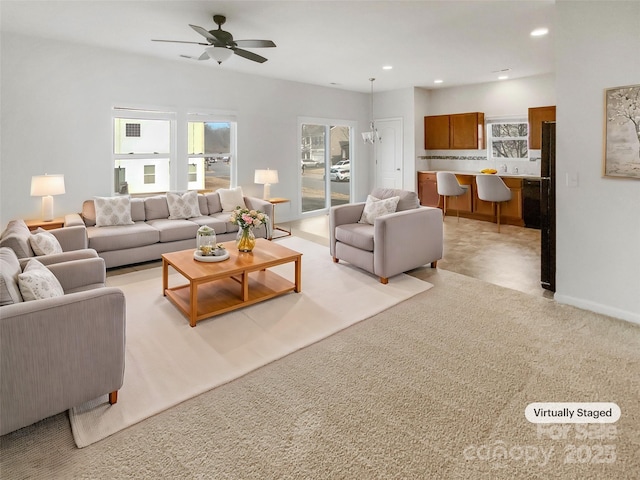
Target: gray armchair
x: 409, y: 238
x: 57, y: 353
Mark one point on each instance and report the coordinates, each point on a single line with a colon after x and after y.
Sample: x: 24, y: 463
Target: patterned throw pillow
x: 113, y: 211
x: 183, y: 205
x: 36, y: 282
x: 231, y: 198
x: 44, y: 243
x: 376, y: 207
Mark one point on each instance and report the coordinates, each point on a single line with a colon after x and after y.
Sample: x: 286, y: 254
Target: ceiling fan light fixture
x: 219, y: 54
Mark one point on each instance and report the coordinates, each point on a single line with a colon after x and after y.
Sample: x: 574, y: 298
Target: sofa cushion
x: 231, y: 198
x: 44, y: 243
x: 9, y: 271
x: 224, y: 217
x: 111, y: 211
x: 213, y: 203
x: 104, y: 239
x: 376, y: 207
x: 202, y: 205
x: 36, y: 282
x: 16, y: 236
x: 173, y: 230
x: 359, y: 235
x: 408, y: 200
x: 183, y: 205
x: 137, y: 210
x: 218, y: 225
x: 156, y: 207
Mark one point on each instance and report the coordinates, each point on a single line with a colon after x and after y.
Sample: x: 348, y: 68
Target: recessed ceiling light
x: 387, y: 67
x: 438, y: 81
x: 539, y: 32
x: 503, y: 77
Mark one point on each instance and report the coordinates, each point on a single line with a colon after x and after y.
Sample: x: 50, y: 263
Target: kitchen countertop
x: 474, y: 173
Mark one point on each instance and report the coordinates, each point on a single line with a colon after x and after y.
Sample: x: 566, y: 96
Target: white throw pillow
x: 113, y: 211
x: 231, y: 198
x: 376, y: 207
x: 36, y: 282
x: 183, y: 205
x: 44, y: 243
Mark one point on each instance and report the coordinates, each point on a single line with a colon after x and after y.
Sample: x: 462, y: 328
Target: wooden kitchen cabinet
x: 461, y: 131
x: 537, y: 115
x: 436, y: 132
x: 428, y: 189
x: 467, y: 131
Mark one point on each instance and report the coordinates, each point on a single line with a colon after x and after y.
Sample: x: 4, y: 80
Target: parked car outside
x: 341, y: 174
x: 309, y: 163
x: 343, y: 164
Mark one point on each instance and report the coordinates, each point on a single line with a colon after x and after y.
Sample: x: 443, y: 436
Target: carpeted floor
x: 435, y: 387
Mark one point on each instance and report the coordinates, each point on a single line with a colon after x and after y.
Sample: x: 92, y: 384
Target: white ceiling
x: 341, y: 43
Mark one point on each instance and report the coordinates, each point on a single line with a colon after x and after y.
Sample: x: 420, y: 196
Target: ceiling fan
x: 221, y: 44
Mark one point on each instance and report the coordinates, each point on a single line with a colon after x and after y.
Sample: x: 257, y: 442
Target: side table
x: 275, y: 201
x: 35, y: 224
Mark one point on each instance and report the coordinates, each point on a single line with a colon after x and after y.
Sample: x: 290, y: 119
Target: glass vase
x: 206, y: 240
x: 246, y: 239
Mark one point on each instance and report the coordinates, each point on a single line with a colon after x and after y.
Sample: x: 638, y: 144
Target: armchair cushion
x: 44, y: 243
x: 16, y: 236
x: 375, y: 207
x: 408, y: 200
x: 36, y: 282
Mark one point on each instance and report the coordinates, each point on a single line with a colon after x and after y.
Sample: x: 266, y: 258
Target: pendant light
x: 372, y: 135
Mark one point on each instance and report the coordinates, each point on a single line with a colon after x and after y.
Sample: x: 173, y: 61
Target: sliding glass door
x: 325, y: 165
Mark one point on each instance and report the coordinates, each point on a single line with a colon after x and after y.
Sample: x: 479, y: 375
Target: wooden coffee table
x: 220, y: 287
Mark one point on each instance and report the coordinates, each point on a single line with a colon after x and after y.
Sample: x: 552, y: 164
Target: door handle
x: 398, y: 169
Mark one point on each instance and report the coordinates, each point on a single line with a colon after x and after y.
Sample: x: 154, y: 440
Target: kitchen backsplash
x: 476, y: 160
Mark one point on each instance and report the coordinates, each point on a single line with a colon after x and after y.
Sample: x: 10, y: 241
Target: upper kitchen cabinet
x: 462, y: 131
x: 538, y: 115
x: 436, y: 132
x: 467, y: 131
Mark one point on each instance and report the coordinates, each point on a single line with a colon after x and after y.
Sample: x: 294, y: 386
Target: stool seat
x: 448, y: 186
x: 491, y: 188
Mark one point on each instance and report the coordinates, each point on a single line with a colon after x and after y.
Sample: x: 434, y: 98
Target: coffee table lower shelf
x: 216, y: 297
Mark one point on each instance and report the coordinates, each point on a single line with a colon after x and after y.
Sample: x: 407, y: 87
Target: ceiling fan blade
x: 254, y: 43
x: 249, y: 55
x: 204, y: 33
x: 204, y: 56
x: 181, y: 41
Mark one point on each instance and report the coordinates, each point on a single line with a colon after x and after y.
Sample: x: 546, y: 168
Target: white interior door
x: 389, y: 153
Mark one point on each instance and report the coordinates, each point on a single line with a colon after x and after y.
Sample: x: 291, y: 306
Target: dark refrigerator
x: 548, y: 206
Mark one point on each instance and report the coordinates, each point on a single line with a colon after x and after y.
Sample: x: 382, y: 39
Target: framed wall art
x: 622, y: 132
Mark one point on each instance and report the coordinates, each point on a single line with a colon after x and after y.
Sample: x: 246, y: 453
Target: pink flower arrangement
x: 245, y: 218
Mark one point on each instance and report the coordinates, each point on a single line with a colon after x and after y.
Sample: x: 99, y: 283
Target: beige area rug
x: 168, y: 362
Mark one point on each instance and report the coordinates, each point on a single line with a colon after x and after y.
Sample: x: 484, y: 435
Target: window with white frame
x: 508, y: 140
x: 211, y: 151
x: 143, y: 147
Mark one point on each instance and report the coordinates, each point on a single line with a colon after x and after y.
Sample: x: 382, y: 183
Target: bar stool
x: 492, y: 189
x: 448, y: 186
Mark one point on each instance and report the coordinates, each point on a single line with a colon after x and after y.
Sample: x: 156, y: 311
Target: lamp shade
x: 266, y: 177
x: 219, y: 54
x: 42, y: 185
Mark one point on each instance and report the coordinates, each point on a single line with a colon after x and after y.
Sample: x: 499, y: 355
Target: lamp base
x: 266, y: 195
x: 47, y: 208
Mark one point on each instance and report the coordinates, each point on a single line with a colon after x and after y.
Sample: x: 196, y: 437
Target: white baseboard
x: 598, y: 308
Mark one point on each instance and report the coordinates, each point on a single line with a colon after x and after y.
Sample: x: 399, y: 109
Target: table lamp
x: 266, y: 177
x: 45, y: 186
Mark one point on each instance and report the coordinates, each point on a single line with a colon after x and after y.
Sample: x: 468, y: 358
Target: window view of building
x: 211, y: 150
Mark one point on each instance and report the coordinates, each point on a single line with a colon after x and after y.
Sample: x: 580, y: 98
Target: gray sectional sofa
x: 153, y: 233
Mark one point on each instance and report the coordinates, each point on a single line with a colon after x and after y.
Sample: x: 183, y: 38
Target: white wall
x: 598, y: 254
x: 56, y: 102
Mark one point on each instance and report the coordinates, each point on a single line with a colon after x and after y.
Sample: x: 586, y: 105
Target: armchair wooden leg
x: 384, y: 280
x: 434, y: 264
x: 335, y: 260
x: 113, y: 397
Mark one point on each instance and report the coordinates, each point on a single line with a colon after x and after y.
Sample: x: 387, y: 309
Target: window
x: 325, y: 164
x: 211, y: 151
x: 508, y: 140
x: 143, y: 147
